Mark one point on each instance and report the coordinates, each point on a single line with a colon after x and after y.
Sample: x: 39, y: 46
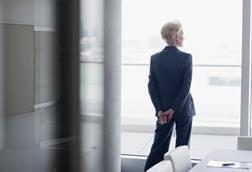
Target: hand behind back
x: 165, y: 117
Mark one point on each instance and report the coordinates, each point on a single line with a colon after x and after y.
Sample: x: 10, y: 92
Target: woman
x: 169, y: 88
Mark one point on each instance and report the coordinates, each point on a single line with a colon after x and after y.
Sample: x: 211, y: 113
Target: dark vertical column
x: 68, y: 51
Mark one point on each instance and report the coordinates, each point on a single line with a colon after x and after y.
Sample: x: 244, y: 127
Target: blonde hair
x: 169, y: 30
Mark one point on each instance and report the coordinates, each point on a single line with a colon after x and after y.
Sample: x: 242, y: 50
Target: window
x: 214, y: 38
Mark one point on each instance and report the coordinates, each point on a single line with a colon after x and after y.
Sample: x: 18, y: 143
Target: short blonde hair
x: 169, y: 30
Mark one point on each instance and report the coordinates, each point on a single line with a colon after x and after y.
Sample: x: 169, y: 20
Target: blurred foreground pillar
x: 112, y: 86
x: 2, y: 83
x: 68, y: 51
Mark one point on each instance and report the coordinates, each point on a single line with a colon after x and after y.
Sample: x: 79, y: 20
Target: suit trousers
x: 162, y: 138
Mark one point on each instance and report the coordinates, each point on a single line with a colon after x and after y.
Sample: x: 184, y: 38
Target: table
x: 226, y: 155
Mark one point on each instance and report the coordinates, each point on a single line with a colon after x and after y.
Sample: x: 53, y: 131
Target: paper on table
x: 229, y: 164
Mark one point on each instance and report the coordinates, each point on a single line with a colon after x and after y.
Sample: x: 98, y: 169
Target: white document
x: 229, y: 164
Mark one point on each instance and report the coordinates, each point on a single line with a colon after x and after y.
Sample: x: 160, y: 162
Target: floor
x: 28, y: 143
x: 134, y: 143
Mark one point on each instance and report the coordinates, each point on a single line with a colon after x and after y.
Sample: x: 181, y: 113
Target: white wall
x: 19, y: 12
x: 40, y: 13
x: 45, y: 13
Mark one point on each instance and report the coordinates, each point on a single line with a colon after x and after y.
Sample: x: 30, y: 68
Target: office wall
x: 47, y: 67
x: 30, y: 70
x: 19, y: 77
x: 22, y: 128
x: 1, y: 11
x: 2, y: 104
x: 18, y: 18
x: 47, y: 64
x: 45, y: 13
x: 39, y: 16
x: 28, y: 12
x: 19, y: 11
x: 47, y: 78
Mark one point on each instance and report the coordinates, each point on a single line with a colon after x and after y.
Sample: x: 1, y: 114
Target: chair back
x: 163, y: 166
x: 180, y: 158
x: 244, y: 142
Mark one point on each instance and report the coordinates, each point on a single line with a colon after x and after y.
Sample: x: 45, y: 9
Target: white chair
x: 163, y: 166
x: 180, y: 158
x: 244, y: 142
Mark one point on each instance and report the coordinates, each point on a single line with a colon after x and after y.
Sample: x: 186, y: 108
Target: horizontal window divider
x: 146, y: 64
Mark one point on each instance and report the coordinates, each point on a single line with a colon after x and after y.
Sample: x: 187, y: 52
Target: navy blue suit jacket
x: 170, y: 80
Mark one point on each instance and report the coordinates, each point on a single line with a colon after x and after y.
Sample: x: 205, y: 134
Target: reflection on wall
x: 47, y: 67
x: 19, y: 79
x: 92, y: 75
x: 26, y: 130
x: 2, y: 103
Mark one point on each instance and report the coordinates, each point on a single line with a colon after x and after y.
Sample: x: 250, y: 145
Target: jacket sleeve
x: 153, y: 90
x: 185, y: 88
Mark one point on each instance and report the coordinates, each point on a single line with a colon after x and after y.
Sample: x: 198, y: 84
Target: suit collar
x: 168, y: 48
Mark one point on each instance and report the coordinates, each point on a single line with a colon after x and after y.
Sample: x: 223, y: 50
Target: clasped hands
x: 165, y: 117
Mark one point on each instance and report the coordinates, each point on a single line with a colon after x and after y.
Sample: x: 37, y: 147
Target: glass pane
x: 212, y: 89
x: 91, y: 86
x: 29, y: 86
x: 213, y: 37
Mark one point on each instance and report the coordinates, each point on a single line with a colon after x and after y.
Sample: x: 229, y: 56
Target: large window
x: 214, y: 38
